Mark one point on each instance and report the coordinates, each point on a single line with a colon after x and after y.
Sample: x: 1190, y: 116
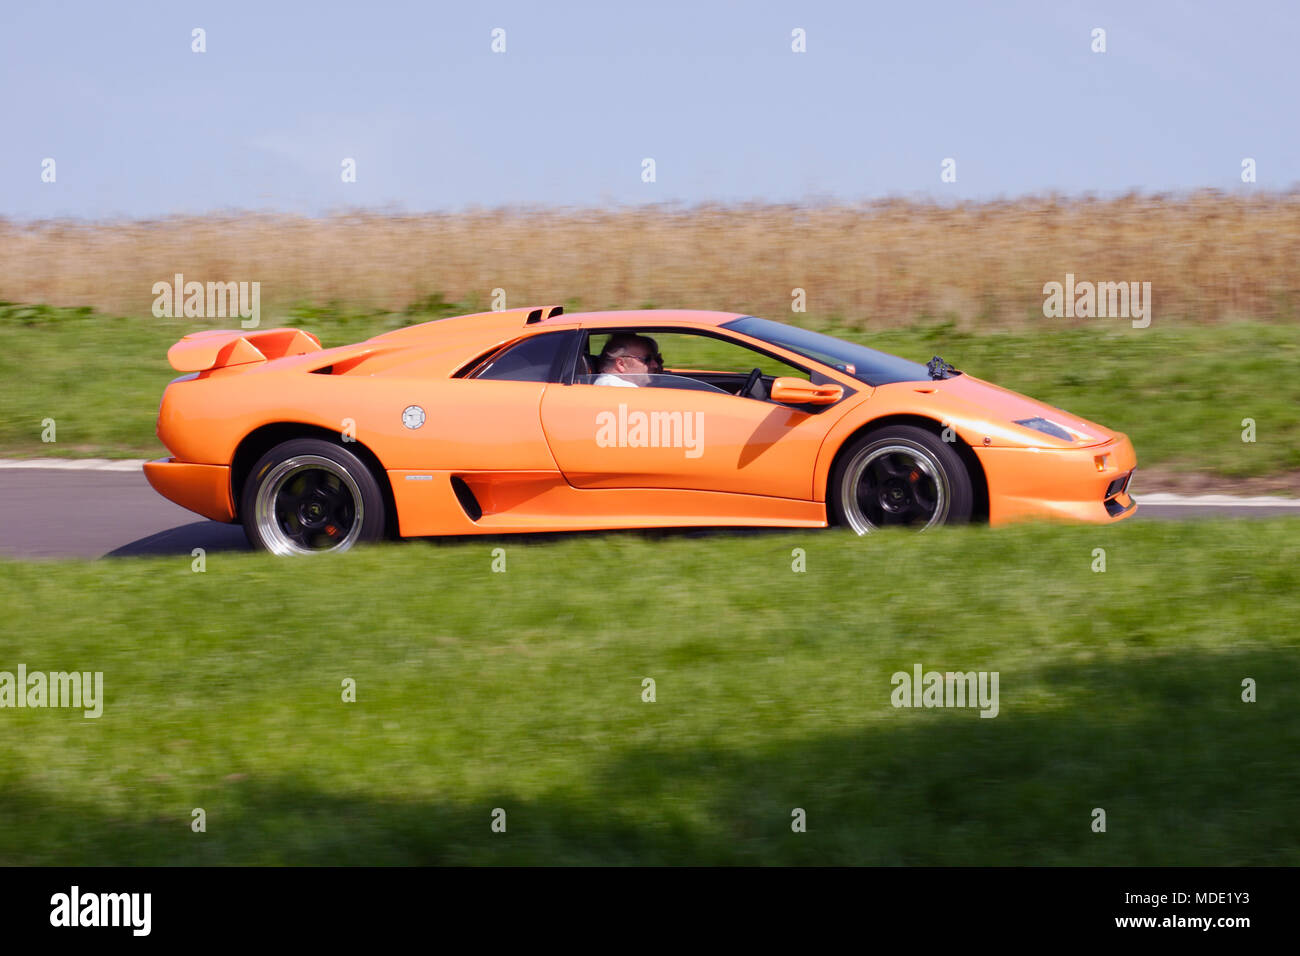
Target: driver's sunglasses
x: 648, y: 360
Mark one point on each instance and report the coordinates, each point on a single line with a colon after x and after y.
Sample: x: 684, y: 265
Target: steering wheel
x: 750, y: 382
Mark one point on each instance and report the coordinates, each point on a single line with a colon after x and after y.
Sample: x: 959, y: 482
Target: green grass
x: 1179, y: 391
x: 522, y: 690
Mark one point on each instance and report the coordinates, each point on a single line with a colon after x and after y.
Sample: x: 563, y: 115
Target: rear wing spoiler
x: 221, y: 348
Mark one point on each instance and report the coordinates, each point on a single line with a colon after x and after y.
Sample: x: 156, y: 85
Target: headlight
x: 1046, y: 427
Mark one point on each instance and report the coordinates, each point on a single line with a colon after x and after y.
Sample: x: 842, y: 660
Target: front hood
x: 1001, y: 408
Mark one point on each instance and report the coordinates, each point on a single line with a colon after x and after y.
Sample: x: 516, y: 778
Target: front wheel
x: 901, y: 476
x: 309, y: 496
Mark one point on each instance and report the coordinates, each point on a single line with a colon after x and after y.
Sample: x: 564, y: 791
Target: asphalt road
x: 91, y: 510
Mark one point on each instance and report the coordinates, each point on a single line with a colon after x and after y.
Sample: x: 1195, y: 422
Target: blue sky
x: 140, y: 126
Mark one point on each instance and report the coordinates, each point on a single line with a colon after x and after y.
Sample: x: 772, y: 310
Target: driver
x: 628, y: 360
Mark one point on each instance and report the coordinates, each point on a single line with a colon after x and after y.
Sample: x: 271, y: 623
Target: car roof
x: 617, y: 319
x: 445, y: 344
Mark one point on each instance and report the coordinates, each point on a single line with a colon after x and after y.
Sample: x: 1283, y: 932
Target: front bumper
x: 1069, y: 484
x: 203, y: 489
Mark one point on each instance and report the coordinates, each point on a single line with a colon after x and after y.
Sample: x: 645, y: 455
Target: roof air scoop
x: 545, y: 312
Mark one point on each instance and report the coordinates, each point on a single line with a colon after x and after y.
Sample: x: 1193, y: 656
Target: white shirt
x: 610, y: 379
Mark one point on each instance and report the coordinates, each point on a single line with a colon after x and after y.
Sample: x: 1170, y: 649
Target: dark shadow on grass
x: 1187, y: 773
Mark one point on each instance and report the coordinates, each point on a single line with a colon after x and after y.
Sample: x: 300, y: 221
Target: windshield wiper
x: 938, y: 368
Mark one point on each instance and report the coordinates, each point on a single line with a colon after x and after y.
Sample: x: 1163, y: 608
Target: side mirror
x: 797, y: 391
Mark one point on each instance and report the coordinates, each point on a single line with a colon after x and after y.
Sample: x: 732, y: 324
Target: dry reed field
x: 1209, y: 257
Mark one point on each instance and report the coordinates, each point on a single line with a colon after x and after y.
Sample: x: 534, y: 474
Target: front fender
x: 917, y: 400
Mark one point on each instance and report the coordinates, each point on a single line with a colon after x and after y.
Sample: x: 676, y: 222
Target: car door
x: 682, y: 434
x: 486, y: 419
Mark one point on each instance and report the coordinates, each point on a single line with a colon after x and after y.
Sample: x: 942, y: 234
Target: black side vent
x: 533, y: 316
x: 323, y: 370
x: 466, y: 498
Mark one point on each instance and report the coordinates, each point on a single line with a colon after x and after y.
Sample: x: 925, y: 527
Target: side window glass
x: 532, y: 360
x: 682, y: 360
x: 681, y: 382
x: 688, y: 354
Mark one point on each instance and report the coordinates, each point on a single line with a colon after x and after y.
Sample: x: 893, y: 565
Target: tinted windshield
x: 864, y: 364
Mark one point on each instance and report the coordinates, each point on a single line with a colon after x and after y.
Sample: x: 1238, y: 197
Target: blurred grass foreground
x: 526, y: 691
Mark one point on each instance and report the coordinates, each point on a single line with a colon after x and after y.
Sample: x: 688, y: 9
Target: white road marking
x: 1207, y: 501
x: 73, y: 464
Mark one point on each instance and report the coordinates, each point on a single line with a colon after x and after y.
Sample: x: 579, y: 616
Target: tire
x: 899, y: 475
x: 308, y: 496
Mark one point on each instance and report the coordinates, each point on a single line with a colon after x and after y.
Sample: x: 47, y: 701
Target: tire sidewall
x: 960, y: 490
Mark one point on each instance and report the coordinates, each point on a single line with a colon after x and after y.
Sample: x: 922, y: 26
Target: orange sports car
x: 533, y: 420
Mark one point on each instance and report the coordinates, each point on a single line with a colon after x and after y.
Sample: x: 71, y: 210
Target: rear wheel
x: 309, y: 496
x: 899, y: 475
